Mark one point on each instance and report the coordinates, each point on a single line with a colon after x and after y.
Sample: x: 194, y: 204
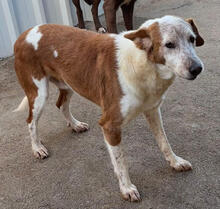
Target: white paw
x: 80, y: 127
x: 179, y: 164
x: 130, y: 193
x: 40, y: 151
x: 101, y: 30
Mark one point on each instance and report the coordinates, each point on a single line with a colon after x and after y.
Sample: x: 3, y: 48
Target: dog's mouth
x: 187, y: 76
x: 191, y: 78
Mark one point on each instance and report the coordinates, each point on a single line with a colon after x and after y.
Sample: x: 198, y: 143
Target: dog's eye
x: 170, y: 45
x: 192, y: 39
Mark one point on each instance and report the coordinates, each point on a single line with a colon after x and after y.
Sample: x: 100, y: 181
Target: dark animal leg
x: 127, y: 10
x: 110, y: 15
x: 94, y: 10
x: 79, y: 13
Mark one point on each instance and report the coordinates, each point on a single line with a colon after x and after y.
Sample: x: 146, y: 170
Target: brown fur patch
x: 86, y: 62
x: 155, y: 55
x: 152, y: 47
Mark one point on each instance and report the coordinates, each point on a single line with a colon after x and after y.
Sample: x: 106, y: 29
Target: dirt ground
x: 78, y: 174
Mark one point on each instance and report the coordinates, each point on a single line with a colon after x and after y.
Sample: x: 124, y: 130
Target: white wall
x: 16, y: 16
x: 8, y: 29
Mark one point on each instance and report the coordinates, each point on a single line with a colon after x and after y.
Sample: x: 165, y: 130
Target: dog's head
x: 170, y: 43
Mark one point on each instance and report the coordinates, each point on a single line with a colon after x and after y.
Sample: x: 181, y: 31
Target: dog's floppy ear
x: 199, y: 39
x: 148, y: 39
x: 138, y: 38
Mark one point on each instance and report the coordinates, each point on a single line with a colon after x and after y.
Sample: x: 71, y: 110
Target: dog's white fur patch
x: 167, y: 20
x: 118, y: 161
x: 34, y: 36
x: 164, y: 72
x: 133, y: 68
x: 42, y: 95
x: 178, y: 60
x: 121, y: 171
x: 112, y: 35
x: 156, y: 124
x: 138, y: 76
x: 55, y: 53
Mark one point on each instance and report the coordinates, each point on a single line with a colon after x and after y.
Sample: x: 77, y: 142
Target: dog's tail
x: 22, y: 106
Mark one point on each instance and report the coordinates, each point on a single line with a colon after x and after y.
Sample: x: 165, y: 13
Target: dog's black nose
x: 195, y: 69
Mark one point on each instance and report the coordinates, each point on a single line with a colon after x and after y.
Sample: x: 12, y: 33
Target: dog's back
x: 73, y: 59
x: 67, y: 54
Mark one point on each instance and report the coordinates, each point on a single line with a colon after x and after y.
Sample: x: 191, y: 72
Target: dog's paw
x: 40, y: 151
x: 102, y: 30
x: 179, y: 164
x: 80, y: 127
x: 130, y: 193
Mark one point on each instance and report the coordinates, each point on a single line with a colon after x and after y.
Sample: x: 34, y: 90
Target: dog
x: 110, y: 8
x: 126, y: 74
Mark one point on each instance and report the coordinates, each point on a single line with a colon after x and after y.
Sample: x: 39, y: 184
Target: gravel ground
x: 78, y: 174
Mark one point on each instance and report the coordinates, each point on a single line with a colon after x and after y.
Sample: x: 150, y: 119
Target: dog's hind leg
x: 37, y: 99
x: 156, y: 124
x: 35, y: 85
x: 63, y: 103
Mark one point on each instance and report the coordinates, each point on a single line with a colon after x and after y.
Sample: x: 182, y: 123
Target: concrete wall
x: 17, y: 16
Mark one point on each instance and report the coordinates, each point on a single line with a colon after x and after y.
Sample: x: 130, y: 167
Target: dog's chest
x: 133, y: 103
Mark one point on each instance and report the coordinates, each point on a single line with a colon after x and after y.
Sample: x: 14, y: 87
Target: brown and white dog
x: 110, y: 8
x: 125, y: 75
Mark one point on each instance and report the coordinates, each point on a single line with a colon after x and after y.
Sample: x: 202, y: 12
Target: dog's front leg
x: 128, y: 190
x: 155, y: 122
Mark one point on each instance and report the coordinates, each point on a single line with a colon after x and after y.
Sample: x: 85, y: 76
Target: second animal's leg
x: 110, y: 15
x: 94, y: 10
x: 79, y: 13
x: 127, y: 11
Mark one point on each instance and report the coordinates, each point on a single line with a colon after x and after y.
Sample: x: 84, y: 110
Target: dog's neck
x: 138, y: 73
